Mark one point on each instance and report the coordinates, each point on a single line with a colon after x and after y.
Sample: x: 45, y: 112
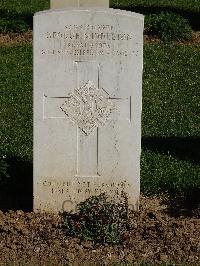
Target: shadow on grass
x: 179, y: 147
x: 192, y: 16
x: 27, y: 18
x: 187, y: 205
x: 187, y: 200
x: 11, y: 21
x: 16, y: 192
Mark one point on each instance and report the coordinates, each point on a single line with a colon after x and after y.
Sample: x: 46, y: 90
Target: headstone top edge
x: 94, y: 9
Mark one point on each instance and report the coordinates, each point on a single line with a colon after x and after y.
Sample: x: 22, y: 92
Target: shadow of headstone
x: 16, y: 191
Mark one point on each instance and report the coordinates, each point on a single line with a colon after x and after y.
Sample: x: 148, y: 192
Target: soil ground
x: 155, y: 236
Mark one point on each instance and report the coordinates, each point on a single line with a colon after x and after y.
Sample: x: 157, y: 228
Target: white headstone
x: 87, y: 106
x: 79, y: 3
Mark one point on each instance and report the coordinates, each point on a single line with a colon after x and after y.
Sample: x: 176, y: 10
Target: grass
x: 170, y: 158
x: 17, y: 14
x: 36, y: 5
x: 171, y: 90
x: 187, y: 5
x: 24, y: 6
x: 170, y: 121
x: 16, y: 101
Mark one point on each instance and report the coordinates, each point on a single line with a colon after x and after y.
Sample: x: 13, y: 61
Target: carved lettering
x: 84, y: 187
x: 88, y: 41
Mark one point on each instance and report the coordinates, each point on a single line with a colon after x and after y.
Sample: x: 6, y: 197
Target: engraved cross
x: 88, y: 107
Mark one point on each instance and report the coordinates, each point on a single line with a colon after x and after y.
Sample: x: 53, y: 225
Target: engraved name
x: 88, y: 41
x: 110, y: 36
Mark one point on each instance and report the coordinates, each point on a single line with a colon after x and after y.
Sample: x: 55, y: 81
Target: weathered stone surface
x: 79, y: 3
x: 87, y: 106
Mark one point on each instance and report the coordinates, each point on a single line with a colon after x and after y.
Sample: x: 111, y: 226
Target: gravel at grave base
x: 155, y: 236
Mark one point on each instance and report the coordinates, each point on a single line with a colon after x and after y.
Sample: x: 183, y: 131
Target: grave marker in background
x: 79, y: 3
x: 87, y: 105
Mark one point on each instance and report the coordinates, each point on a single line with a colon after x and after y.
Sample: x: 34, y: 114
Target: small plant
x: 99, y: 219
x: 168, y: 27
